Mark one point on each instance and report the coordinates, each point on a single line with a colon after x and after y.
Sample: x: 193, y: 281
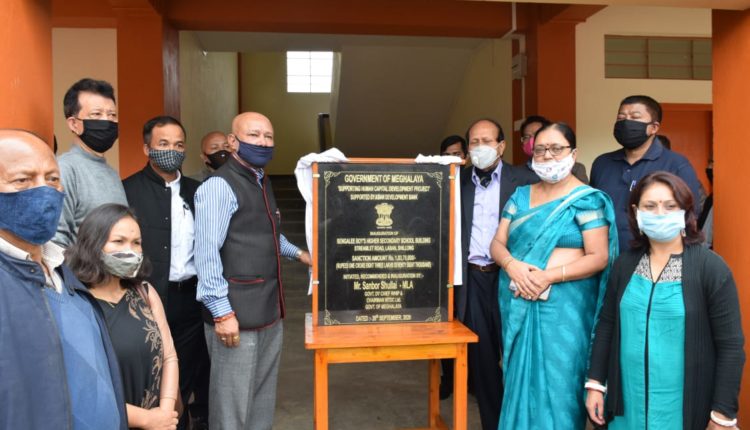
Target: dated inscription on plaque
x: 383, y: 243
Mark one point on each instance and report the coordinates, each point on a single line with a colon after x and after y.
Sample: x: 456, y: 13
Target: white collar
x: 52, y: 254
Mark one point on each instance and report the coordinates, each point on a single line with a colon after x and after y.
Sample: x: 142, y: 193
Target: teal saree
x: 546, y: 343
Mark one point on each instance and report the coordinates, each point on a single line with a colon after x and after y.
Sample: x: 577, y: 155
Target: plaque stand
x: 431, y: 341
x: 393, y: 342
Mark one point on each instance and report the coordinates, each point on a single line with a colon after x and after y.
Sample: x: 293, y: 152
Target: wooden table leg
x: 321, y: 390
x: 433, y: 408
x: 460, y: 374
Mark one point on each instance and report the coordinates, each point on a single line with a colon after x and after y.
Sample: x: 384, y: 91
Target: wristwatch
x: 299, y: 254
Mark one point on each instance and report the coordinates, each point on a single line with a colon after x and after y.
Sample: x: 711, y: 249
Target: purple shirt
x: 486, y: 217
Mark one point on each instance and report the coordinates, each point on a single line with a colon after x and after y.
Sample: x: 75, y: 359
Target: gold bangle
x: 507, y: 260
x: 563, y: 274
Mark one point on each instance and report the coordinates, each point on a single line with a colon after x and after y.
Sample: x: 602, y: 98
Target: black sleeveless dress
x: 138, y: 345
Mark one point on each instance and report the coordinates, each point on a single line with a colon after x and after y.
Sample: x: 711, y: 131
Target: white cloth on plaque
x: 451, y: 159
x: 303, y: 172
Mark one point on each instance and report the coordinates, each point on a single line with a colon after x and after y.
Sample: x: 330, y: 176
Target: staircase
x: 292, y: 208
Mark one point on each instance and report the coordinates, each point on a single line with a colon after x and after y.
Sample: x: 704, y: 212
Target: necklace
x: 109, y: 300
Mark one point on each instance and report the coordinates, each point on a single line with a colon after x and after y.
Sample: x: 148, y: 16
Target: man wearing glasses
x: 616, y: 173
x: 485, y: 188
x: 88, y: 181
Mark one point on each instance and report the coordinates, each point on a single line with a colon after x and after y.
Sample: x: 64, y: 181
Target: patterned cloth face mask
x: 554, y: 171
x: 168, y: 160
x: 123, y: 264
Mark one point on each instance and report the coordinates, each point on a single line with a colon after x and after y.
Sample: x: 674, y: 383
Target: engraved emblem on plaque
x: 384, y: 211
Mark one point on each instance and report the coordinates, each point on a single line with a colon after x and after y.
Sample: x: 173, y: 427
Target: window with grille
x: 309, y: 71
x: 637, y: 57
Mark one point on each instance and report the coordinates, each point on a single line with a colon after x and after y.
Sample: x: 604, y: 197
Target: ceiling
x: 710, y: 4
x: 378, y: 74
x: 230, y: 41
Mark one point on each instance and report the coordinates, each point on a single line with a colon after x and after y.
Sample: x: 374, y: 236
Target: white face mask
x: 554, y: 171
x: 483, y: 156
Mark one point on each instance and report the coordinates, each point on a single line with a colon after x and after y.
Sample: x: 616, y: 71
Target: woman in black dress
x: 107, y: 257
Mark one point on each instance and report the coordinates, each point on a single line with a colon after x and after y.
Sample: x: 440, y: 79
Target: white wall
x: 294, y: 115
x: 597, y: 99
x: 81, y: 53
x: 486, y: 91
x: 209, y: 92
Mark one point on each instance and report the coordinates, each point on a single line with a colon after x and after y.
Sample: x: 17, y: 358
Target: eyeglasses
x: 555, y: 150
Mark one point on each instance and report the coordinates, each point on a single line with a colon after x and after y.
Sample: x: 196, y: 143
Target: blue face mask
x: 32, y: 215
x: 255, y: 155
x: 661, y: 228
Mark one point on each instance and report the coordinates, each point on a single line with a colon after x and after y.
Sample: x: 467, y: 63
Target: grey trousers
x: 242, y: 395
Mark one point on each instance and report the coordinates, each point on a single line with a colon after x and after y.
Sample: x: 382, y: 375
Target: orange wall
x: 26, y: 66
x: 550, y: 84
x: 731, y: 69
x: 146, y: 78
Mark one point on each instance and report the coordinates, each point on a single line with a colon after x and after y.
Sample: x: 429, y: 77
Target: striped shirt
x: 215, y: 204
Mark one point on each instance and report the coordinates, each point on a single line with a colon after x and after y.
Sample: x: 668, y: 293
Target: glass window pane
x: 627, y: 58
x: 702, y: 46
x: 666, y: 72
x: 320, y: 84
x: 629, y: 72
x: 657, y: 57
x: 702, y: 73
x: 624, y: 44
x: 674, y: 46
x: 321, y: 67
x: 297, y: 54
x: 297, y: 84
x: 297, y: 67
x: 321, y: 55
x: 667, y: 59
x: 301, y: 65
x: 297, y: 88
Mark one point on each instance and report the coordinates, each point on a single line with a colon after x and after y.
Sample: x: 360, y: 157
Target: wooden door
x: 690, y: 130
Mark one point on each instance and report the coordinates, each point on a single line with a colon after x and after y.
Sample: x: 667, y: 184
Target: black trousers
x: 185, y: 322
x: 483, y: 318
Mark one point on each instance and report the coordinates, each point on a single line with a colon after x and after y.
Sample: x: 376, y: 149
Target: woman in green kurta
x: 652, y: 318
x: 668, y: 348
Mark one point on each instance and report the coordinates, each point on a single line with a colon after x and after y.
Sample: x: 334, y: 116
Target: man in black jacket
x: 163, y: 200
x: 485, y: 188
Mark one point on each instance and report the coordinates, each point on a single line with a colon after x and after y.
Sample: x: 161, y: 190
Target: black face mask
x: 710, y: 174
x: 217, y: 159
x: 99, y: 134
x: 631, y: 134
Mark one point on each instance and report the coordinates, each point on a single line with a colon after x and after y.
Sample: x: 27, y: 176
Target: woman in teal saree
x: 556, y: 242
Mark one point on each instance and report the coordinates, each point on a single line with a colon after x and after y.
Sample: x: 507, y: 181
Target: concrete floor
x: 364, y: 396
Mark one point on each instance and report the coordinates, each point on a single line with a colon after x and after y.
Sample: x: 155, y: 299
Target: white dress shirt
x: 181, y: 264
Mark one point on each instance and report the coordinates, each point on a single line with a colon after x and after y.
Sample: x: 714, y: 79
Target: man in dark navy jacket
x: 616, y: 173
x: 485, y: 188
x: 163, y: 200
x: 57, y: 366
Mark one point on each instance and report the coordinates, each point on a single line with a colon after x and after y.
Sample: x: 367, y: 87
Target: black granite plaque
x: 383, y: 243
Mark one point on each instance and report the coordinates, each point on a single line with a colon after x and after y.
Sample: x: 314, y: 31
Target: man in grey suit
x: 485, y: 188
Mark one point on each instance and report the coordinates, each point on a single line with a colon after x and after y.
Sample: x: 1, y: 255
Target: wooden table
x: 393, y: 342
